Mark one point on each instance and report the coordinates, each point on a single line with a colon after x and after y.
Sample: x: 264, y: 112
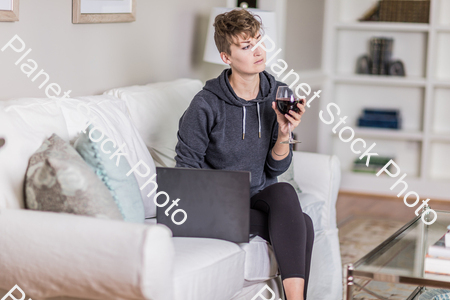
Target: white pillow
x: 156, y: 110
x: 112, y: 119
x: 24, y: 124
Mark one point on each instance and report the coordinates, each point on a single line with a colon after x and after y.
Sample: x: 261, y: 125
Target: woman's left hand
x: 293, y: 117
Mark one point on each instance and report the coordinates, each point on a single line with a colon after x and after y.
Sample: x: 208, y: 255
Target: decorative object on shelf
x: 247, y: 4
x: 396, y: 68
x: 372, y: 14
x: 101, y: 11
x: 376, y: 164
x: 363, y: 65
x: 380, y: 118
x: 379, y: 62
x: 9, y: 10
x: 413, y: 11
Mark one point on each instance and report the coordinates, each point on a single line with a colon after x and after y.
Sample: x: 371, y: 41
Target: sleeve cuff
x: 278, y: 167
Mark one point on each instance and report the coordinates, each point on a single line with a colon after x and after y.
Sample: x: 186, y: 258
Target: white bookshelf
x: 422, y: 147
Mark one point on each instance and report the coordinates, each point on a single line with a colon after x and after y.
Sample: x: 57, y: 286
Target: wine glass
x: 286, y: 101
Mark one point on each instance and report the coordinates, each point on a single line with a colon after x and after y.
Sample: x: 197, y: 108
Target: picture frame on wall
x: 103, y: 11
x: 9, y: 10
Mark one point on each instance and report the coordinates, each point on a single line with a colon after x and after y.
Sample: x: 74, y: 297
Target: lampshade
x: 212, y: 55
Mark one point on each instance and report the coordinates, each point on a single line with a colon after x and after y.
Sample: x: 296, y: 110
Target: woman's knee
x: 280, y: 196
x: 286, y: 187
x: 286, y: 193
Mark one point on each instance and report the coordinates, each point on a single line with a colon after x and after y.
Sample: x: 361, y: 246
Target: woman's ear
x: 225, y: 58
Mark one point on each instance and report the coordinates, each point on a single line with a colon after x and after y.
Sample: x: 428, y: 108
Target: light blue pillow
x: 125, y: 190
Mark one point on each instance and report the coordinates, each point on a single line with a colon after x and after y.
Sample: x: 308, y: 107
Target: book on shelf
x: 375, y: 165
x: 380, y: 118
x: 437, y: 259
x: 436, y: 276
x: 438, y: 249
x: 437, y: 265
x: 380, y: 54
x: 385, y: 55
x: 375, y: 45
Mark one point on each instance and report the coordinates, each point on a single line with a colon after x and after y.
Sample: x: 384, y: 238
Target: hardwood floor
x: 349, y: 206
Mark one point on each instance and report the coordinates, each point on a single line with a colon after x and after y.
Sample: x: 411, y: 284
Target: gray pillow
x: 59, y: 180
x: 288, y: 177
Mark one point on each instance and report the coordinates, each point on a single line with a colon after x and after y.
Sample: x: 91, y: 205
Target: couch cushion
x: 156, y: 109
x: 288, y: 177
x: 51, y: 254
x: 206, y: 269
x: 96, y: 151
x: 260, y: 261
x: 315, y: 208
x: 59, y: 180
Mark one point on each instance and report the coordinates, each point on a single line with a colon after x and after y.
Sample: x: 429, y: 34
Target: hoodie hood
x: 221, y: 87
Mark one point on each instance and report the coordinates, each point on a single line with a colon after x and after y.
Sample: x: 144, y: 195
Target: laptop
x: 216, y: 203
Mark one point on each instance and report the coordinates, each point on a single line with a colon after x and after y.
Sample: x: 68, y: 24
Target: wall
x: 303, y: 53
x: 304, y: 34
x: 165, y: 42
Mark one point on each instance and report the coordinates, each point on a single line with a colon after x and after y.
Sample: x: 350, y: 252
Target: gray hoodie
x: 220, y: 130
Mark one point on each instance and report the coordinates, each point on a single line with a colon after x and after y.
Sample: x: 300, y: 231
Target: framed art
x: 9, y: 10
x: 103, y: 11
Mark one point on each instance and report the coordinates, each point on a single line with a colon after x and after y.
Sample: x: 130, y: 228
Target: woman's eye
x: 246, y: 47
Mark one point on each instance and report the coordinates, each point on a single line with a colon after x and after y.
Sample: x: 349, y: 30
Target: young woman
x: 233, y: 124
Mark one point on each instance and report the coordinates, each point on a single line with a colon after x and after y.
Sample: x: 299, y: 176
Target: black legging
x: 276, y: 216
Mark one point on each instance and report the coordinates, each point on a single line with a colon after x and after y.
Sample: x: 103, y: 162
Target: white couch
x: 63, y: 256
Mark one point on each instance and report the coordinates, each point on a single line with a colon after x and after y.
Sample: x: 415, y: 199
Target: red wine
x: 286, y: 104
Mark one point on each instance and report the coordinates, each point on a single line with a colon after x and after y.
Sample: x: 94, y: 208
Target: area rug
x: 359, y: 236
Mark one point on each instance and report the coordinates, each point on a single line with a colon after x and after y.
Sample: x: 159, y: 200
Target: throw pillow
x: 288, y: 177
x: 110, y: 115
x: 95, y: 150
x: 59, y: 180
x: 156, y: 109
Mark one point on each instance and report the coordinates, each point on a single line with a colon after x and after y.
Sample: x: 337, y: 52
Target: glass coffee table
x: 400, y: 259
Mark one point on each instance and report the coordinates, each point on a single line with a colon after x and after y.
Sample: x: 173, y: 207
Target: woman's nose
x: 258, y: 51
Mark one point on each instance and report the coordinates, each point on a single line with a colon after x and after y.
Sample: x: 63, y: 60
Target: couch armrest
x: 56, y: 254
x: 319, y: 175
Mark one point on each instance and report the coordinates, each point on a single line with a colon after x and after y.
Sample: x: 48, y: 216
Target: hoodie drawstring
x: 243, y: 124
x: 243, y: 121
x: 259, y: 120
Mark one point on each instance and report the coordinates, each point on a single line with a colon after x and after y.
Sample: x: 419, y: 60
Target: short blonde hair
x: 230, y: 25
